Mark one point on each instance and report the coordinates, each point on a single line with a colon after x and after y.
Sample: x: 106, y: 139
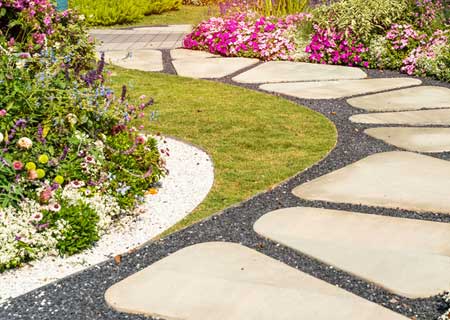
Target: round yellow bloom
x: 59, y: 180
x: 30, y: 166
x: 40, y: 173
x: 43, y: 158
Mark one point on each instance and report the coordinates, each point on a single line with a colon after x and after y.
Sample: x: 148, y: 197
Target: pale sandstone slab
x: 144, y: 60
x: 211, y: 68
x: 391, y: 179
x: 426, y: 97
x: 405, y: 256
x: 414, y: 139
x: 338, y: 89
x: 183, y: 54
x: 285, y: 71
x: 416, y: 118
x: 226, y: 281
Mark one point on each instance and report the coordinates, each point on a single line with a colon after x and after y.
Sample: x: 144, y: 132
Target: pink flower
x: 17, y: 165
x: 2, y: 113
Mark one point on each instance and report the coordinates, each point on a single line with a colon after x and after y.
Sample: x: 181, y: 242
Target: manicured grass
x: 255, y: 140
x: 186, y: 15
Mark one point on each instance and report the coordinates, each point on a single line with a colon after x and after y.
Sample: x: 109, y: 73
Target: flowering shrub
x: 71, y: 163
x: 332, y: 47
x: 247, y: 34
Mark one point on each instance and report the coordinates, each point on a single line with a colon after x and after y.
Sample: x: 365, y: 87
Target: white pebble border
x: 191, y: 176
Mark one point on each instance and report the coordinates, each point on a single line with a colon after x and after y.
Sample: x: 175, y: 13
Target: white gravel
x: 189, y: 181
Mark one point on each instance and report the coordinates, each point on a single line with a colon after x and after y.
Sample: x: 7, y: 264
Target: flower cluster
x: 71, y: 162
x: 330, y: 46
x: 427, y: 11
x: 247, y: 34
x: 428, y: 50
x: 403, y: 36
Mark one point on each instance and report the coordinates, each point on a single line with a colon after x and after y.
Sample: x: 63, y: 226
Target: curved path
x: 363, y: 234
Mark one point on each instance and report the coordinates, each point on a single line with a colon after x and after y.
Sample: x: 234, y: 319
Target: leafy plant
x: 364, y: 17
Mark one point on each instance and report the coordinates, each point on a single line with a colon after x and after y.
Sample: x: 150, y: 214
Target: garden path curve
x: 364, y: 234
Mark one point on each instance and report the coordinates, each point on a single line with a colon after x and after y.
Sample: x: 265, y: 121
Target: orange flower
x: 152, y: 191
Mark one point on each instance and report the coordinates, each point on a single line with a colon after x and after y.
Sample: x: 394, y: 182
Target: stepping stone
x: 183, y: 54
x: 227, y: 281
x: 338, y: 89
x: 426, y: 97
x: 397, y: 179
x: 144, y: 60
x: 284, y: 71
x: 408, y: 257
x: 416, y: 118
x: 414, y: 139
x: 211, y: 68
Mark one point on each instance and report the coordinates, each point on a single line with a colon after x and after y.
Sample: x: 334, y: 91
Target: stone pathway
x: 387, y: 245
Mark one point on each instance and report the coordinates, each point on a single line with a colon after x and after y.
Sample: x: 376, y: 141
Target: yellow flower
x: 59, y: 180
x: 43, y: 158
x: 152, y: 191
x: 40, y: 173
x: 30, y: 166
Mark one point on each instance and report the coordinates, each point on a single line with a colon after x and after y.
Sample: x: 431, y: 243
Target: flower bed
x: 71, y: 163
x: 406, y: 35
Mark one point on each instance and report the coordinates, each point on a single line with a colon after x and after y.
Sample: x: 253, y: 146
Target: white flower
x: 54, y: 206
x: 24, y: 143
x: 1, y: 137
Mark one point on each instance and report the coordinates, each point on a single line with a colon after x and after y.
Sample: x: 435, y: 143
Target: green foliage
x: 80, y: 229
x: 280, y: 7
x: 110, y: 12
x: 364, y: 17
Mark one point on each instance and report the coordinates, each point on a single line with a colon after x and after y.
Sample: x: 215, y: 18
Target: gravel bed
x: 81, y: 296
x: 189, y: 181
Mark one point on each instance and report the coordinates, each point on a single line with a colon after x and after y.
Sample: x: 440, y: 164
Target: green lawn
x: 255, y: 140
x: 186, y: 15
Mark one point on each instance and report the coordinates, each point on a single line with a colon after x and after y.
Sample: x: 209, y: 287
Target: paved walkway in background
x: 391, y: 234
x: 164, y: 37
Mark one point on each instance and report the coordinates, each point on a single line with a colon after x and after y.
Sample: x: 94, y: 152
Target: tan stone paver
x: 226, y: 281
x: 183, y: 54
x: 338, y: 89
x: 425, y: 97
x: 144, y: 60
x: 408, y: 257
x: 286, y: 71
x: 414, y: 139
x: 211, y: 68
x: 416, y: 118
x: 397, y: 179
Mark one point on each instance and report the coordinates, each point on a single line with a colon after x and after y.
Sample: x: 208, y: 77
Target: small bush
x: 363, y: 17
x: 110, y: 12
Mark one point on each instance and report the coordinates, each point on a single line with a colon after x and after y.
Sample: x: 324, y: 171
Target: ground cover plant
x: 112, y: 12
x: 407, y: 35
x: 70, y: 161
x: 252, y: 147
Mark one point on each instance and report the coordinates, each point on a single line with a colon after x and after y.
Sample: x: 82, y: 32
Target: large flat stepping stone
x: 396, y: 179
x: 144, y: 60
x: 414, y: 139
x: 417, y: 118
x: 285, y: 71
x: 408, y: 257
x: 186, y: 54
x: 338, y: 89
x: 212, y: 67
x: 226, y: 281
x: 426, y: 97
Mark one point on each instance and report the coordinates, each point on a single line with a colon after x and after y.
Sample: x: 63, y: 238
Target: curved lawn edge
x: 256, y: 140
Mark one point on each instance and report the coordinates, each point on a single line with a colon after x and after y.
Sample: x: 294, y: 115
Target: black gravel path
x: 80, y: 296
